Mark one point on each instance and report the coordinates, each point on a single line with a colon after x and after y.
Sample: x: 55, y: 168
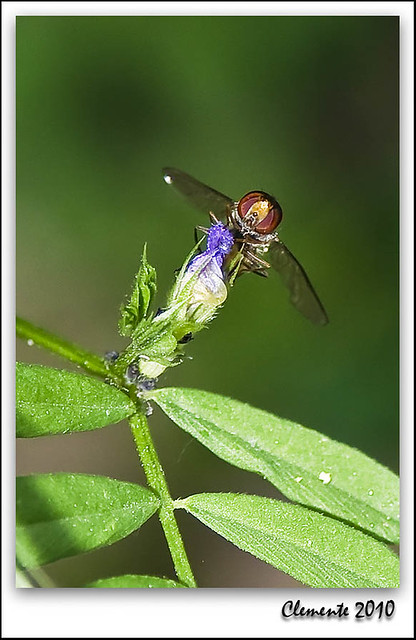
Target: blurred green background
x: 305, y: 108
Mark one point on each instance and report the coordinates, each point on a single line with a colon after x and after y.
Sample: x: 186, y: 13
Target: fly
x: 253, y: 222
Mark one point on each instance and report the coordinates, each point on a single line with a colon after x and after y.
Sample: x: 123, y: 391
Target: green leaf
x: 144, y: 289
x: 22, y: 580
x: 63, y: 514
x: 313, y: 548
x: 68, y: 350
x: 51, y: 401
x: 304, y: 465
x: 135, y: 582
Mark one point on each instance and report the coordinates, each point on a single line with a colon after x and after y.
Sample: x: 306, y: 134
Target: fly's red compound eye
x: 248, y: 201
x: 262, y: 207
x: 271, y: 221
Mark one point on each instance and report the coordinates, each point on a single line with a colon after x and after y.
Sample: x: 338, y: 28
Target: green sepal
x: 144, y: 289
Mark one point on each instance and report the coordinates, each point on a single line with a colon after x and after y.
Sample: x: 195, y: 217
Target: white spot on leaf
x: 325, y: 477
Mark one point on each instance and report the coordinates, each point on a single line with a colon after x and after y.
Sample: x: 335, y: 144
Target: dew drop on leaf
x: 370, y: 492
x: 30, y: 343
x: 325, y: 477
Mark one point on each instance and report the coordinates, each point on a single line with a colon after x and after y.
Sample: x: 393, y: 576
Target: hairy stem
x: 157, y: 481
x: 35, y: 335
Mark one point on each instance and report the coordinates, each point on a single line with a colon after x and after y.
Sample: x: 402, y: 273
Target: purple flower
x: 197, y: 294
x: 209, y: 285
x: 200, y: 288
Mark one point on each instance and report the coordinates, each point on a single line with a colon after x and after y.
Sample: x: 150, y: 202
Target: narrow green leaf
x: 51, y: 401
x: 313, y: 548
x: 68, y: 350
x: 63, y: 514
x: 22, y: 580
x: 144, y: 289
x: 135, y: 582
x: 304, y: 465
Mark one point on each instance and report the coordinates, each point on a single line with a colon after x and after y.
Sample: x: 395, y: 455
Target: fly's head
x: 256, y: 217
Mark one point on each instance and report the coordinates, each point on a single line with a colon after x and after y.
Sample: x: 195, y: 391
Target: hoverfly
x: 253, y: 222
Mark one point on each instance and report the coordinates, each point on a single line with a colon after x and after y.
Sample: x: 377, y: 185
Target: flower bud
x: 200, y: 288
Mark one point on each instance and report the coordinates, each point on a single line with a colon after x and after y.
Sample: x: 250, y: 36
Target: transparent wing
x: 200, y: 195
x: 302, y: 293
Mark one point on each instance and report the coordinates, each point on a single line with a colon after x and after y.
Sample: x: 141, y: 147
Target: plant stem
x: 88, y: 361
x: 157, y: 481
x: 140, y: 429
x: 32, y: 578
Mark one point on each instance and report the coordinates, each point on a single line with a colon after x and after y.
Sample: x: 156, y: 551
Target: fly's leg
x: 260, y: 272
x: 255, y: 259
x: 198, y: 240
x: 213, y: 218
x: 240, y: 263
x: 252, y: 263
